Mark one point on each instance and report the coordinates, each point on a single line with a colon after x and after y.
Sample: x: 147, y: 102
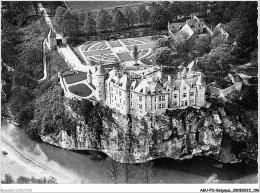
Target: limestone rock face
x: 179, y: 134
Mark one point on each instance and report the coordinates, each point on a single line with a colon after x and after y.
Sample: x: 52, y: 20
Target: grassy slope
x: 84, y: 6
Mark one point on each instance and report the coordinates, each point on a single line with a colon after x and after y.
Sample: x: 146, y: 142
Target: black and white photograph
x: 101, y: 95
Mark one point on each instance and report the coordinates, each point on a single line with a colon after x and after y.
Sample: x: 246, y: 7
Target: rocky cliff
x: 179, y: 134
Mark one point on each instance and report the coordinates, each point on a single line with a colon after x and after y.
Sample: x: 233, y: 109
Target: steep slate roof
x: 193, y: 66
x: 237, y: 78
x: 201, y: 80
x: 187, y: 30
x: 150, y: 87
x: 125, y: 82
x: 100, y: 71
x: 176, y: 26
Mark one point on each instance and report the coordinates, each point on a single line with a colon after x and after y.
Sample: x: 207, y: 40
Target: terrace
x: 81, y: 90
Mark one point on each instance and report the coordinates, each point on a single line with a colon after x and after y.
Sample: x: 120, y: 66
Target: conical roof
x: 101, y: 70
x: 201, y: 80
x: 237, y: 78
x: 89, y: 71
x: 193, y: 66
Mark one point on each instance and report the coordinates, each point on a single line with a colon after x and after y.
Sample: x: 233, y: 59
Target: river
x: 80, y: 167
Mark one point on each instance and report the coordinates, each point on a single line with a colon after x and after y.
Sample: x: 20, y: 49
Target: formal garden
x: 110, y: 52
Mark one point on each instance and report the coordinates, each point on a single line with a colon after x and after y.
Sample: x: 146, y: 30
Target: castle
x: 148, y: 94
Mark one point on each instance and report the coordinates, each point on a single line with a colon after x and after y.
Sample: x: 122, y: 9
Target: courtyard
x: 110, y: 52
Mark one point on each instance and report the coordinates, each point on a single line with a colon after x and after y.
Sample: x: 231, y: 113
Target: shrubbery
x: 25, y: 180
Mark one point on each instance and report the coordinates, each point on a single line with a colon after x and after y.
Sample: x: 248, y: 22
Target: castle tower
x: 52, y: 40
x: 89, y: 76
x: 238, y: 82
x: 100, y: 83
x: 201, y: 89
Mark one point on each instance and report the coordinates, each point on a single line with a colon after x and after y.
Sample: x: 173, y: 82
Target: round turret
x: 100, y: 83
x: 89, y: 76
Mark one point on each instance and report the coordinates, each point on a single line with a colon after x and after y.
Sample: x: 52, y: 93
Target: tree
x: 202, y: 45
x: 218, y: 40
x: 142, y: 15
x: 130, y: 17
x: 82, y: 18
x: 103, y: 20
x: 70, y: 27
x: 119, y: 20
x: 217, y: 61
x: 89, y: 25
x: 165, y: 4
x: 135, y: 53
x: 113, y: 168
x: 8, y: 179
x: 163, y: 56
x: 173, y: 10
x: 159, y: 18
x: 59, y: 14
x: 162, y: 42
x: 33, y: 61
x: 7, y: 51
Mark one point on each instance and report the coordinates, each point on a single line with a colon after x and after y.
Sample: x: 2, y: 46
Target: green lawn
x: 125, y: 56
x: 81, y: 90
x: 70, y: 79
x: 114, y: 44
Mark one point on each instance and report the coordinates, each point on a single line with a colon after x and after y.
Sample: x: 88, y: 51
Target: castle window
x: 140, y: 98
x: 155, y: 99
x: 175, y: 96
x: 159, y: 106
x: 191, y: 93
x: 131, y: 103
x: 163, y: 98
x: 182, y: 103
x: 175, y: 103
x: 186, y: 103
x: 119, y: 93
x: 140, y: 106
x: 131, y: 95
x: 155, y: 106
x: 159, y: 98
x: 184, y: 94
x: 163, y: 106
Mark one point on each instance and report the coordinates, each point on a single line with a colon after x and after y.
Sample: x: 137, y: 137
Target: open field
x: 81, y: 90
x: 84, y: 6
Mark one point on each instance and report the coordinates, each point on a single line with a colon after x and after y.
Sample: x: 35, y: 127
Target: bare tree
x: 113, y: 169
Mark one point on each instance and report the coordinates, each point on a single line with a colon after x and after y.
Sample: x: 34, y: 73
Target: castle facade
x: 149, y: 94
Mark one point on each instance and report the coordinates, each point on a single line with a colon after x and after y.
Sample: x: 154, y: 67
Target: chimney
x: 169, y: 79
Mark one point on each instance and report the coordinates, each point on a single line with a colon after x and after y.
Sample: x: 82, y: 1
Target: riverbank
x: 16, y: 164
